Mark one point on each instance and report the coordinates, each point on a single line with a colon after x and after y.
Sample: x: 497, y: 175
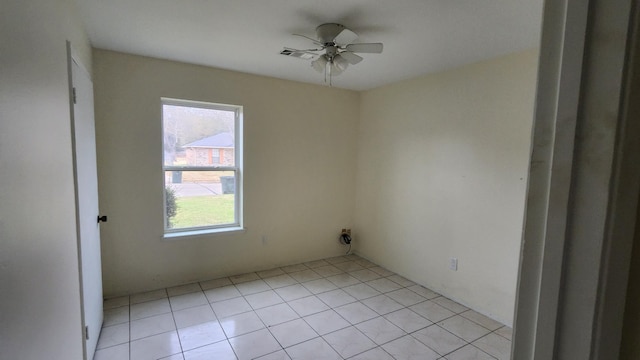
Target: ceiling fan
x: 334, y: 51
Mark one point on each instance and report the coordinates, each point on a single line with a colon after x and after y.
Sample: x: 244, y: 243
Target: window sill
x: 193, y: 233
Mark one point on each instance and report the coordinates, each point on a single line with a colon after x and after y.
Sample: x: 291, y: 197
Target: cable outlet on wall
x: 453, y: 264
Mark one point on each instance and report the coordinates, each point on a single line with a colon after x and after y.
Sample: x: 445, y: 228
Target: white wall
x: 442, y: 166
x: 39, y: 280
x: 299, y: 172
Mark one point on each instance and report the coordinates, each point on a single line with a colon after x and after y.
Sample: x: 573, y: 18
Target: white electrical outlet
x: 453, y: 264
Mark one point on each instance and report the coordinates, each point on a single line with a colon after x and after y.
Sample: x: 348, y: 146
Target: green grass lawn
x: 203, y: 211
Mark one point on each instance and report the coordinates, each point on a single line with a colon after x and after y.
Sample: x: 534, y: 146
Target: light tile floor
x: 338, y: 308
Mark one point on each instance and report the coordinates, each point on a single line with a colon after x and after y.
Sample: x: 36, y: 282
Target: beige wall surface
x: 299, y: 172
x: 442, y: 172
x: 40, y: 314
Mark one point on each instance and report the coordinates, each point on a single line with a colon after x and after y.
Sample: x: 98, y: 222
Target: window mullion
x: 199, y: 168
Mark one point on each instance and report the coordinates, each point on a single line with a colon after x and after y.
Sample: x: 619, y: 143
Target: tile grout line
x: 302, y: 281
x: 175, y: 323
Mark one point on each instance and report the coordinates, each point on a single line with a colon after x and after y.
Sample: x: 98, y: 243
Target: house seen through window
x: 202, y: 165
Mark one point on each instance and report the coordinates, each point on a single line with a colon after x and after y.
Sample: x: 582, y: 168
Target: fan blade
x: 371, y: 48
x: 345, y: 37
x: 306, y: 54
x: 319, y: 64
x: 300, y: 54
x: 312, y: 39
x: 303, y: 50
x: 351, y: 57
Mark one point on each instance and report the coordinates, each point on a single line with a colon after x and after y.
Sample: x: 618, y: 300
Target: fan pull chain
x: 325, y: 73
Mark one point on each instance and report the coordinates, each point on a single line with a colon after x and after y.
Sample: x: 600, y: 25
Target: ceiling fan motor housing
x: 331, y: 51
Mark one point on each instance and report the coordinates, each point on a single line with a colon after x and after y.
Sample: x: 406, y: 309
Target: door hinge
x: 74, y: 96
x: 86, y: 332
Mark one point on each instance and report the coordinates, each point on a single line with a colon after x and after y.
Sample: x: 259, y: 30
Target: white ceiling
x: 419, y: 36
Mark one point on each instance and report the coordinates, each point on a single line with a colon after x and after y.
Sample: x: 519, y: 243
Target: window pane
x: 199, y: 198
x: 196, y: 136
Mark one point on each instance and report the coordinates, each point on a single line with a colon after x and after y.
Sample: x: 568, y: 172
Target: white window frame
x: 237, y: 169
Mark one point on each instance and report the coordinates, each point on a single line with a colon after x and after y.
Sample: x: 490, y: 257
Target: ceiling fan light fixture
x: 340, y: 62
x: 335, y: 69
x: 319, y: 64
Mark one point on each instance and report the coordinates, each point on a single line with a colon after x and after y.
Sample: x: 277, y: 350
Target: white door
x: 86, y: 176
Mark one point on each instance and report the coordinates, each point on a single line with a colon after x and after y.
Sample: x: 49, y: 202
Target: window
x: 202, y: 166
x: 215, y: 156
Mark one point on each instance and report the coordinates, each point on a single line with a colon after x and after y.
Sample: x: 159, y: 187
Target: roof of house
x: 222, y: 140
